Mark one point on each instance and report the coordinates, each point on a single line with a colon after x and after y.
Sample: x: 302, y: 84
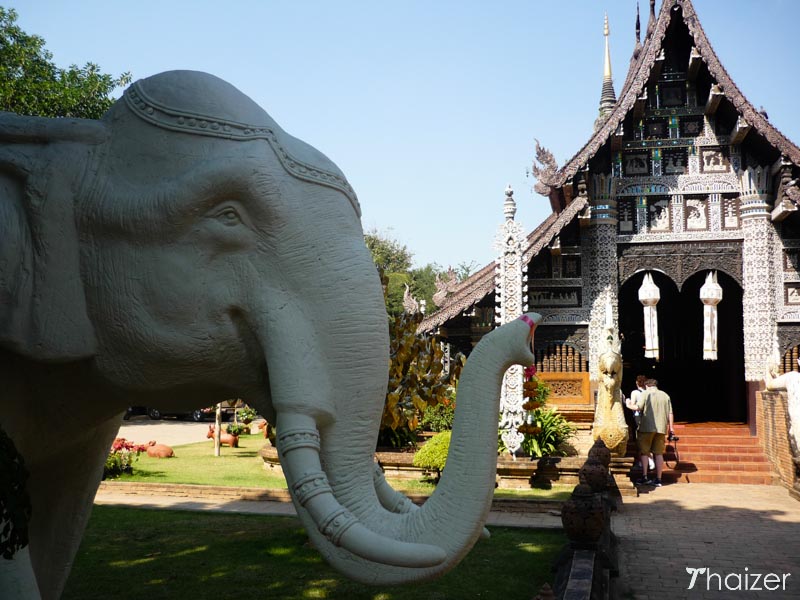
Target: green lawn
x: 132, y: 554
x: 196, y: 463
x: 242, y: 467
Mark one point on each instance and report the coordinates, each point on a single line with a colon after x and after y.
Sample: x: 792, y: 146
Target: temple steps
x: 685, y: 466
x: 717, y: 453
x: 744, y: 478
x: 710, y: 457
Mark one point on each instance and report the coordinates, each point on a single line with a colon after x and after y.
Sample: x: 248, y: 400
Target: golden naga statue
x: 609, y: 417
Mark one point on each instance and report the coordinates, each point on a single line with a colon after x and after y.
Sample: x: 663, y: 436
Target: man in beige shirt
x: 656, y: 422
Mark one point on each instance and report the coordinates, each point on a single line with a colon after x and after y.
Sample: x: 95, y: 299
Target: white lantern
x: 710, y: 295
x: 649, y: 295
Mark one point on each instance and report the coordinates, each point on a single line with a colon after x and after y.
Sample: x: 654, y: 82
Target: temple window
x: 658, y: 219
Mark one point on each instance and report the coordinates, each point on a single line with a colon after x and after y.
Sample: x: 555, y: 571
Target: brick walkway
x: 724, y: 528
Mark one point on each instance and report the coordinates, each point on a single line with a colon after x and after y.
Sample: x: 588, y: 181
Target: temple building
x: 680, y: 214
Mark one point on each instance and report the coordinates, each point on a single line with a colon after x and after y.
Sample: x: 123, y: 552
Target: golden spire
x: 608, y: 97
x: 607, y: 66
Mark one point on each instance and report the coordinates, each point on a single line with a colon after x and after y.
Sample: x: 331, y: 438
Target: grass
x: 132, y: 553
x: 242, y: 467
x: 559, y: 492
x: 196, y: 463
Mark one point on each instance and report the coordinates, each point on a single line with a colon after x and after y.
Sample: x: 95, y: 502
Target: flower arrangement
x: 246, y: 415
x: 121, y: 458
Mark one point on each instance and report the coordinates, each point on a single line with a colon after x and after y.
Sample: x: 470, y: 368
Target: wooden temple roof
x: 481, y: 284
x: 639, y: 74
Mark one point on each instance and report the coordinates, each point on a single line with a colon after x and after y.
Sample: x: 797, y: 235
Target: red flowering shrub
x: 121, y: 458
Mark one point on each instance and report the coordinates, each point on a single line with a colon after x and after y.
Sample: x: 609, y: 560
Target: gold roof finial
x: 607, y: 66
x: 608, y: 97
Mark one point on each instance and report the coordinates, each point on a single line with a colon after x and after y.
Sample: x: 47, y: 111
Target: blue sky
x: 430, y: 108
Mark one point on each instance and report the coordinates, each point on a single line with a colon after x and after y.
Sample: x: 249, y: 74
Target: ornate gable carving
x: 681, y: 261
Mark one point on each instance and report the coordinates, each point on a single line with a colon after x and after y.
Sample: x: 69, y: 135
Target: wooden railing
x: 789, y: 360
x: 566, y: 371
x: 561, y: 358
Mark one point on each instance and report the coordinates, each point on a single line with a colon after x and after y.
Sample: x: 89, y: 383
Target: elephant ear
x: 43, y: 314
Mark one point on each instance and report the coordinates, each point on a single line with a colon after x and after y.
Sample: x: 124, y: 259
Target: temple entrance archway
x: 701, y: 390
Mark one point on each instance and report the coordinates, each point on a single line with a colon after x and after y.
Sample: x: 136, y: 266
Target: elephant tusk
x: 299, y: 446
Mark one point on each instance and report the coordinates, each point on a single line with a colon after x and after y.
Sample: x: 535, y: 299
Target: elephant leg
x: 62, y: 489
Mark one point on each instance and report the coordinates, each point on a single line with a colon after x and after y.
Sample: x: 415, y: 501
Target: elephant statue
x: 183, y: 249
x: 789, y: 381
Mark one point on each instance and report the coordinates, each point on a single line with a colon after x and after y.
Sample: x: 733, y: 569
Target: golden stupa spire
x: 607, y: 66
x: 608, y: 97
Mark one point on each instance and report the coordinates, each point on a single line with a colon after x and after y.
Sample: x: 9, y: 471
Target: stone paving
x: 733, y: 531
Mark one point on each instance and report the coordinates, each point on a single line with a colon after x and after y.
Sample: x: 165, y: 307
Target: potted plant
x: 237, y: 429
x: 246, y: 415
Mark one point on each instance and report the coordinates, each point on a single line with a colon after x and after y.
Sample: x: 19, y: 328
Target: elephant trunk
x: 299, y: 448
x: 332, y: 483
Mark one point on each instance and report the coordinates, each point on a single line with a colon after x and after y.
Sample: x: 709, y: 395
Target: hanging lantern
x: 710, y: 295
x: 649, y: 295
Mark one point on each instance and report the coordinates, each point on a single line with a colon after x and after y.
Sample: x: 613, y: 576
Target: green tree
x: 417, y: 377
x: 389, y: 255
x: 394, y: 259
x: 464, y: 270
x: 31, y: 84
x: 423, y: 284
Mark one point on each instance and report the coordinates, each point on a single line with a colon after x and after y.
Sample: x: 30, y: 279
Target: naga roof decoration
x: 481, y: 284
x: 640, y: 73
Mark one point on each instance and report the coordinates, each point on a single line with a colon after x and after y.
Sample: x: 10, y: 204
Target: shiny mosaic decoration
x: 600, y: 282
x: 759, y: 282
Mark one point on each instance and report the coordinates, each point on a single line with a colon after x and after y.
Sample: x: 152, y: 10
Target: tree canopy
x: 31, y: 84
x: 394, y: 260
x: 389, y: 255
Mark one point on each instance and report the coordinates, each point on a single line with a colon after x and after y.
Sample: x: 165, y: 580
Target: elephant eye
x: 228, y: 216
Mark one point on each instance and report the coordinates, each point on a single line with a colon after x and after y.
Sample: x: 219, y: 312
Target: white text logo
x: 735, y: 582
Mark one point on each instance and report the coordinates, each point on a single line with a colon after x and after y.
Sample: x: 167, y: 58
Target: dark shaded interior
x: 701, y: 390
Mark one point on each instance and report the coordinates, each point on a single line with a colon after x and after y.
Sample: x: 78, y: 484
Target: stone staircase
x: 717, y: 453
